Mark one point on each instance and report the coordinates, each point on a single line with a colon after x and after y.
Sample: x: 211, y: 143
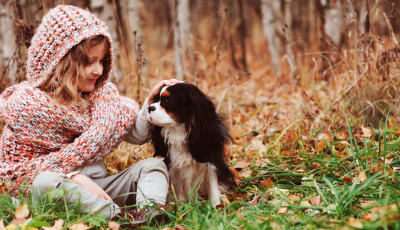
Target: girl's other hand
x: 156, y: 89
x: 90, y: 186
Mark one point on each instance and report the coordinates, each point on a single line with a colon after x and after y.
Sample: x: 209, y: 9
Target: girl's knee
x: 154, y: 164
x: 46, y: 181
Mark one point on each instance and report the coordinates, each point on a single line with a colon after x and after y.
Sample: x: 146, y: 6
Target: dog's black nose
x: 151, y: 108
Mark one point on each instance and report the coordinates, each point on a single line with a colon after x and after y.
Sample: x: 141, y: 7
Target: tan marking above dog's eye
x: 165, y: 94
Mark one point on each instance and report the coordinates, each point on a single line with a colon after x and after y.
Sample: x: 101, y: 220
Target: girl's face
x: 94, y: 69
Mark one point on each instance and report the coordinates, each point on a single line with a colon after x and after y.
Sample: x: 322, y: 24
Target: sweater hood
x: 61, y: 29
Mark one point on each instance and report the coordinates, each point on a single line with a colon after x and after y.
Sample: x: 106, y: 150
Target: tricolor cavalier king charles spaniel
x: 190, y: 136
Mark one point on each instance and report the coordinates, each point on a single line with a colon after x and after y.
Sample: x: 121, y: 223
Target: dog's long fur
x: 191, y: 137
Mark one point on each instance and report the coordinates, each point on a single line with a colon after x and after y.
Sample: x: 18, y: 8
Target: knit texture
x: 42, y: 135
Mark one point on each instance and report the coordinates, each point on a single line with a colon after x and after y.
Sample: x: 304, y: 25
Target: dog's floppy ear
x: 160, y: 147
x: 206, y: 133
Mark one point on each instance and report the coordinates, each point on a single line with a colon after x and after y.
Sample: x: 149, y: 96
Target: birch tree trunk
x: 333, y: 20
x: 182, y: 37
x: 7, y: 42
x: 288, y: 32
x: 268, y: 21
x: 133, y: 20
x: 363, y: 17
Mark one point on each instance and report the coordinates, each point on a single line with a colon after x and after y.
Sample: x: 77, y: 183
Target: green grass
x: 297, y: 179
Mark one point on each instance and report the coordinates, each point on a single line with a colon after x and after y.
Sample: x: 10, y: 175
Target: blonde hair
x: 66, y: 77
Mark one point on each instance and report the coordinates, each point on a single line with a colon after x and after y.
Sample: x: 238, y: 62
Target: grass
x: 305, y: 190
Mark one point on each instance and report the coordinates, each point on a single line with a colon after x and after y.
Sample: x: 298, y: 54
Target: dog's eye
x: 166, y: 102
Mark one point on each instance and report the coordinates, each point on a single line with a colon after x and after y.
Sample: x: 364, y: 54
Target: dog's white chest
x: 175, y: 138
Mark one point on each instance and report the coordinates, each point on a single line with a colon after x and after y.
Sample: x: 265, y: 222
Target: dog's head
x: 185, y: 103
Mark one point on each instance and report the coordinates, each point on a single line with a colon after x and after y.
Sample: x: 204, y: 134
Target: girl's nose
x: 98, y: 69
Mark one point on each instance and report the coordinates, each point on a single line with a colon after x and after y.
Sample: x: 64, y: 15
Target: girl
x: 63, y: 121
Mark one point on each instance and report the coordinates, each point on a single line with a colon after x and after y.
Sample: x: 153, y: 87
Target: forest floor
x: 304, y: 156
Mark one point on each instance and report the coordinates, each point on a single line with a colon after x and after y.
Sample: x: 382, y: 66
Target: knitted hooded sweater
x: 42, y: 135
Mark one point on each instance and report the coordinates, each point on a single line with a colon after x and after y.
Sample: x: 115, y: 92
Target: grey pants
x: 143, y: 183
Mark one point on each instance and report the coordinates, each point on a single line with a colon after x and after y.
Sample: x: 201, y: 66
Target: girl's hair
x: 63, y: 82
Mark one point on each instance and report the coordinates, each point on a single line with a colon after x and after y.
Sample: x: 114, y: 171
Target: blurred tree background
x: 287, y: 41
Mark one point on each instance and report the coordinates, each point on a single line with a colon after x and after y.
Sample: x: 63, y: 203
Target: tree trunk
x: 241, y: 28
x: 182, y: 39
x: 8, y: 36
x: 333, y: 20
x: 132, y: 19
x: 363, y: 17
x: 268, y: 20
x: 288, y: 32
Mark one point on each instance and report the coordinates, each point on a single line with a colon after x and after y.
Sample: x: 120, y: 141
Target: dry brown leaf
x: 22, y: 211
x: 320, y: 146
x: 267, y: 183
x: 112, y: 225
x: 367, y: 132
x: 241, y: 164
x: 262, y: 162
x: 324, y: 136
x: 353, y: 222
x: 341, y: 135
x: 18, y: 221
x: 179, y: 227
x: 245, y: 173
x: 225, y: 199
x: 316, y: 201
x: 362, y: 178
x: 58, y: 225
x: 79, y: 226
x: 305, y: 204
x: 258, y: 146
x: 315, y: 165
x: 2, y: 227
x: 294, y: 197
x: 282, y: 210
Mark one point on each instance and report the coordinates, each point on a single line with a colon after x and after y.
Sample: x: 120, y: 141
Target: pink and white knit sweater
x: 42, y: 135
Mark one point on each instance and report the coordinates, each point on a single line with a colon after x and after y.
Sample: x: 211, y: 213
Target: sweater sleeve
x: 140, y: 131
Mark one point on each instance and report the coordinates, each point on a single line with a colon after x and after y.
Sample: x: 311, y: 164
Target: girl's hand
x: 89, y: 185
x: 156, y: 89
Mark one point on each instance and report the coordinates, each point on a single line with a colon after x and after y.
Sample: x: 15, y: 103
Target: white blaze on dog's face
x: 161, y: 113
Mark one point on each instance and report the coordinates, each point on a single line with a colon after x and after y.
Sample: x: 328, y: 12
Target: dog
x: 191, y: 137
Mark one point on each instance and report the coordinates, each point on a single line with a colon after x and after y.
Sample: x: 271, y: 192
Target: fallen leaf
x: 79, y: 226
x: 245, y: 173
x: 179, y: 227
x: 22, y: 211
x: 18, y: 221
x: 316, y: 201
x: 362, y: 177
x: 112, y: 225
x: 241, y: 164
x: 341, y: 135
x: 315, y: 165
x: 58, y: 225
x: 324, y: 136
x: 305, y: 204
x: 353, y: 222
x: 267, y: 183
x: 320, y: 146
x: 366, y: 131
x: 254, y: 200
x: 225, y: 199
x: 282, y: 210
x: 258, y: 146
x: 294, y: 197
